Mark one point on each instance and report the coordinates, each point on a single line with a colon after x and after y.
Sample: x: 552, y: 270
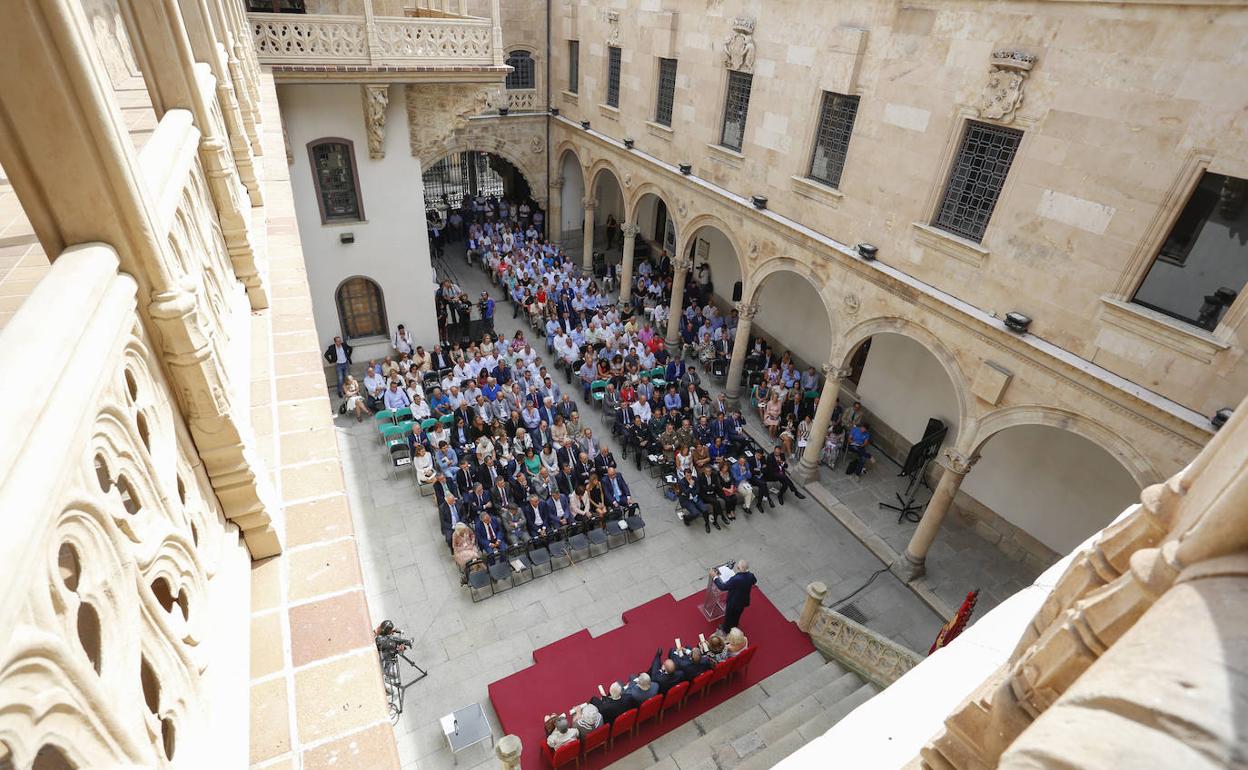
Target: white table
x: 466, y: 727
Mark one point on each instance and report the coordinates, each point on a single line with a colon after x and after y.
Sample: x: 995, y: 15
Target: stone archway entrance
x: 473, y: 173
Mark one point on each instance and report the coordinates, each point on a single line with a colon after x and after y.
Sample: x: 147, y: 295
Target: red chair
x: 624, y: 723
x: 742, y: 662
x: 698, y: 685
x: 649, y: 710
x: 722, y: 670
x: 597, y: 739
x: 568, y: 752
x: 674, y: 698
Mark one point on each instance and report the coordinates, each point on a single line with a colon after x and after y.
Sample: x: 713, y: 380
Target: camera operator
x: 390, y: 641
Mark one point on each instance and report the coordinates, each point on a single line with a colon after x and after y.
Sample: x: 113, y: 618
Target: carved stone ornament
x: 557, y: 183
x: 588, y: 203
x: 682, y: 209
x: 852, y: 304
x: 747, y: 310
x: 630, y: 230
x: 1003, y: 94
x: 435, y: 112
x: 952, y: 460
x: 537, y: 145
x: 376, y: 99
x: 628, y: 179
x: 739, y: 46
x: 613, y: 27
x: 835, y: 371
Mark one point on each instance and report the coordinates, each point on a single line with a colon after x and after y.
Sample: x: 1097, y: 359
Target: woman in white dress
x: 355, y: 402
x: 423, y: 461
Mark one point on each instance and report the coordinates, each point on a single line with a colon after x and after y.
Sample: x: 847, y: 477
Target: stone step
x: 821, y: 718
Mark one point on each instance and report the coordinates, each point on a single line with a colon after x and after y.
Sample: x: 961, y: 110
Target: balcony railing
x: 873, y: 656
x: 375, y: 41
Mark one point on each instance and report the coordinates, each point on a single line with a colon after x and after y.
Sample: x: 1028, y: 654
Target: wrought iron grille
x: 666, y: 92
x: 613, y: 76
x: 736, y: 106
x: 976, y: 180
x: 522, y: 73
x: 459, y: 175
x: 574, y: 66
x: 335, y: 181
x: 836, y: 124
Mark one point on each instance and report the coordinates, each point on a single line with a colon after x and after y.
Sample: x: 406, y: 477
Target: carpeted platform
x: 568, y: 672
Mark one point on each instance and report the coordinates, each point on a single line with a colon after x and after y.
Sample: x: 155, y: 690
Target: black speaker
x: 736, y: 292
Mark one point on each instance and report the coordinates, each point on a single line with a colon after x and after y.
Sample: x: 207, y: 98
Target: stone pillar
x: 956, y: 466
x: 626, y: 263
x: 587, y: 237
x: 680, y: 270
x: 72, y: 164
x: 370, y: 33
x: 808, y: 466
x: 554, y: 212
x: 740, y: 346
x: 815, y: 593
x: 496, y: 33
x: 508, y: 751
x: 169, y: 71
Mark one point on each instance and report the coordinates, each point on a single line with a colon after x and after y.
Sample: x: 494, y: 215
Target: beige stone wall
x: 1124, y: 105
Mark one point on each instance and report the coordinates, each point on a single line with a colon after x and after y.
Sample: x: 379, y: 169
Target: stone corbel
x: 376, y: 99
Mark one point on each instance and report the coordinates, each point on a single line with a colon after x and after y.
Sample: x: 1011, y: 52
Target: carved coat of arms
x: 739, y: 46
x: 1003, y: 94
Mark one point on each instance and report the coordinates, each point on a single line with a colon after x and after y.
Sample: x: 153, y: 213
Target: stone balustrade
x: 526, y: 99
x: 871, y: 655
x: 293, y: 39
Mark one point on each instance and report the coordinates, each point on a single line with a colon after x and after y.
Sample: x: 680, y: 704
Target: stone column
x: 815, y: 593
x: 808, y: 466
x: 554, y: 212
x: 740, y: 346
x: 587, y: 237
x: 680, y: 268
x: 508, y: 751
x: 626, y: 263
x: 71, y: 162
x: 956, y: 466
x: 370, y: 33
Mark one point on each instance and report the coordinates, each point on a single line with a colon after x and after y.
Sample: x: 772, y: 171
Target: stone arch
x: 382, y: 322
x: 1131, y: 459
x: 759, y: 276
x: 865, y: 330
x: 593, y: 176
x: 690, y: 229
x: 650, y: 188
x: 494, y: 146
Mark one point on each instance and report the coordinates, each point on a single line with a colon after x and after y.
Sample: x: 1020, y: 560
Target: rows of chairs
x: 393, y: 428
x: 582, y: 540
x: 630, y: 722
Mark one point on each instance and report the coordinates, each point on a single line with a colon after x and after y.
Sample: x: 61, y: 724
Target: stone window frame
x: 380, y: 309
x: 619, y: 76
x: 574, y: 68
x: 1120, y: 311
x: 658, y: 90
x: 725, y: 90
x: 824, y: 100
x: 355, y: 180
x: 532, y: 56
x: 956, y: 162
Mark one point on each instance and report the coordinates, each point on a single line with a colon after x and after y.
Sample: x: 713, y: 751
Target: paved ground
x: 410, y: 578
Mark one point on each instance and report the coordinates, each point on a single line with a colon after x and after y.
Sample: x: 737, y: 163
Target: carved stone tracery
x: 376, y: 99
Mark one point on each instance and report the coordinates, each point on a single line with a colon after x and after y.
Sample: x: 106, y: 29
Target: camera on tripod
x: 389, y: 640
x: 391, y: 644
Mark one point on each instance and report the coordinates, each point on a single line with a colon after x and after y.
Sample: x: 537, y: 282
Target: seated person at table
x: 663, y: 672
x: 640, y: 690
x: 613, y: 704
x: 561, y: 732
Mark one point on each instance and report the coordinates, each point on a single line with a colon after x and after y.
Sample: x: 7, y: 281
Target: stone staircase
x: 762, y: 725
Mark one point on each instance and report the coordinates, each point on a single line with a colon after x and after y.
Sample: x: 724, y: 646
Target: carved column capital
x: 376, y: 99
x: 589, y: 203
x: 557, y: 183
x: 630, y: 230
x: 681, y: 264
x: 835, y: 371
x: 747, y: 310
x: 952, y: 460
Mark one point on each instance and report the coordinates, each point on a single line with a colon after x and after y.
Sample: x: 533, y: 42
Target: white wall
x: 791, y: 312
x: 571, y: 210
x: 1057, y: 486
x: 392, y: 246
x: 903, y: 384
x: 610, y: 199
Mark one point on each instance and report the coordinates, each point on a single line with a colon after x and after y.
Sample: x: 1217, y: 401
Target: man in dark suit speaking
x: 738, y: 589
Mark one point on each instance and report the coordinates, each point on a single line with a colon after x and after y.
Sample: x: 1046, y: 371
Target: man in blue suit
x: 738, y: 588
x: 490, y: 536
x: 617, y: 492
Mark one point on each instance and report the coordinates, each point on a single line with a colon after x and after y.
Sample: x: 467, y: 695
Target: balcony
x: 316, y: 46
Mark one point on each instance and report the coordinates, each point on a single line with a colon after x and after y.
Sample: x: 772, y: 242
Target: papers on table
x: 725, y: 573
x: 448, y: 724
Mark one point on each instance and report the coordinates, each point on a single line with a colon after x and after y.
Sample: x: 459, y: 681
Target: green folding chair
x: 382, y: 419
x: 403, y: 414
x: 448, y: 420
x: 656, y: 377
x: 393, y: 433
x: 596, y: 390
x: 428, y: 423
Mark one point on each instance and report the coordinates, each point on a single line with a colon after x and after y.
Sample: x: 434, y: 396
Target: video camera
x: 389, y: 640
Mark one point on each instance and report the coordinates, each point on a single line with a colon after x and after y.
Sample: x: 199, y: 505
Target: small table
x: 466, y: 727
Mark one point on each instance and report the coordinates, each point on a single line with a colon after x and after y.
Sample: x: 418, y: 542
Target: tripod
x: 907, y: 508
x: 395, y: 686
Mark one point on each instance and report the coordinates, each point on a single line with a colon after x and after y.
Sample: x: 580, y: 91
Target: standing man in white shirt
x: 402, y: 341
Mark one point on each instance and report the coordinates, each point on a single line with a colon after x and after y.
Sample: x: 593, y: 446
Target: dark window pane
x: 666, y: 91
x: 836, y: 123
x: 613, y: 76
x: 736, y: 106
x: 975, y: 182
x: 1203, y: 264
x: 574, y: 65
x: 335, y: 180
x: 522, y: 73
x: 360, y: 305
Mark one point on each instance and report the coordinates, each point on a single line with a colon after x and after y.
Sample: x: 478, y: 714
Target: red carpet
x: 568, y: 672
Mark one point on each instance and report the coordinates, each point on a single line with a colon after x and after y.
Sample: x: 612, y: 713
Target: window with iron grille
x: 975, y: 182
x: 736, y: 106
x: 333, y: 170
x: 836, y: 124
x: 1202, y: 265
x: 613, y: 76
x: 574, y: 66
x: 361, y: 308
x: 460, y: 175
x: 666, y: 92
x: 522, y: 71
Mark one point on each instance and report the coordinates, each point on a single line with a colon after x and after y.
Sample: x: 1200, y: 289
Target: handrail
x: 872, y: 656
x: 377, y: 41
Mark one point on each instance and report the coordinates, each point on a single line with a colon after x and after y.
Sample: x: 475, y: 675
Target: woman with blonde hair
x: 464, y: 544
x: 355, y: 402
x: 423, y: 462
x: 736, y: 642
x: 771, y: 413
